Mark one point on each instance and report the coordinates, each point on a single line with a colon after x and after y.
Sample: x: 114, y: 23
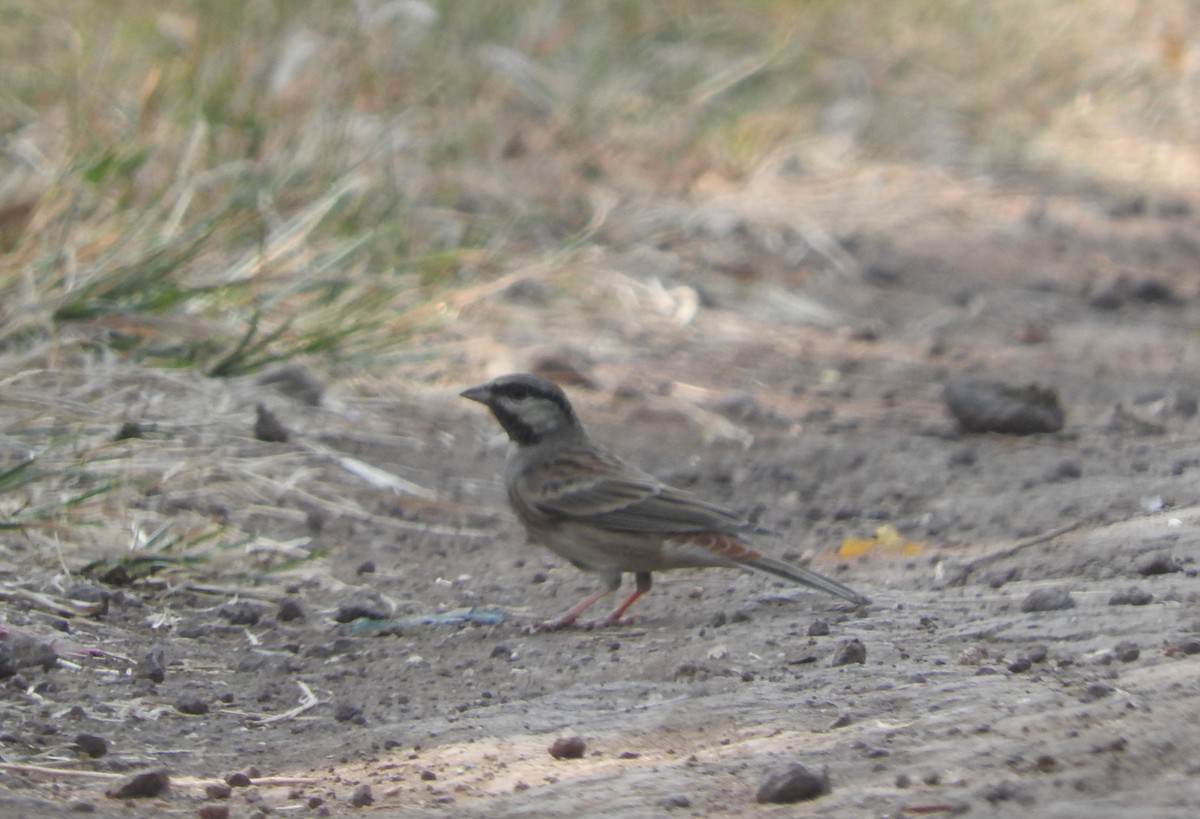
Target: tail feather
x: 796, y: 574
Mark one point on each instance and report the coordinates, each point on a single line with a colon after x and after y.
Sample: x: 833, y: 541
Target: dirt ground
x: 780, y: 347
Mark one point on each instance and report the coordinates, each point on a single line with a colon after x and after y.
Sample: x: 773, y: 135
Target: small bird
x: 606, y: 516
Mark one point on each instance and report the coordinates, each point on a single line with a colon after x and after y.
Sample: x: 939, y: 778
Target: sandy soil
x: 789, y: 371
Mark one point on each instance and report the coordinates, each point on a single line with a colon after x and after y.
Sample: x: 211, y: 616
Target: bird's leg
x: 614, y: 618
x: 612, y: 582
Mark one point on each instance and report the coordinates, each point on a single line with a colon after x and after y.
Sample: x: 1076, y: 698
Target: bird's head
x: 529, y: 408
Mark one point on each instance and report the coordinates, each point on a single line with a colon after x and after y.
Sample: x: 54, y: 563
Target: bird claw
x: 561, y: 623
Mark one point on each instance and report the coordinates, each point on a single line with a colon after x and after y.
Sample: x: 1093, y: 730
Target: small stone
x: 1053, y: 598
x: 237, y: 780
x: 1020, y: 665
x: 81, y: 806
x: 345, y: 712
x: 1097, y: 691
x: 1133, y: 596
x: 192, y: 704
x: 91, y: 745
x: 267, y: 427
x: 678, y: 800
x: 818, y: 628
x: 1006, y: 791
x: 796, y: 784
x: 141, y: 785
x: 1157, y: 564
x: 349, y: 612
x: 8, y: 663
x: 990, y: 406
x: 366, y: 567
x: 362, y: 796
x: 213, y: 812
x: 217, y: 790
x: 1126, y: 651
x: 571, y: 747
x: 501, y: 652
x: 290, y: 610
x: 242, y: 613
x: 849, y: 651
x: 428, y: 776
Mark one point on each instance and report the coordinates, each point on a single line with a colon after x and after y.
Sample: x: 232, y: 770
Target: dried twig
x: 964, y: 571
x: 308, y: 700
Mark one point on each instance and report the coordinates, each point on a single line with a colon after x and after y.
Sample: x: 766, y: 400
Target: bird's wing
x: 586, y: 485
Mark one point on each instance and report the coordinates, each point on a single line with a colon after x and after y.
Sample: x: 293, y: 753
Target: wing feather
x: 580, y: 483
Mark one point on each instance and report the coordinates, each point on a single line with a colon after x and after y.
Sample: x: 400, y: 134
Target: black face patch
x: 509, y: 394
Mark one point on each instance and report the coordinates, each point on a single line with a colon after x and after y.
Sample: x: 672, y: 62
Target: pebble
x: 242, y: 613
x: 1054, y: 598
x: 345, y: 712
x: 91, y: 745
x: 1133, y: 596
x: 192, y: 704
x: 141, y: 785
x: 1157, y: 564
x: 290, y: 610
x: 213, y: 812
x: 796, y: 784
x: 217, y: 790
x: 990, y: 406
x: 571, y: 747
x: 678, y: 800
x: 358, y: 610
x: 818, y: 628
x: 1126, y: 651
x: 362, y: 796
x: 850, y: 651
x: 268, y: 427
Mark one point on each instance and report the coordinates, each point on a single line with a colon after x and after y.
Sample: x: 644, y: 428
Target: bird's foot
x: 557, y: 624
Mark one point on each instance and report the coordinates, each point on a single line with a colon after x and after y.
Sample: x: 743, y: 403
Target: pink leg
x: 571, y: 616
x: 613, y: 618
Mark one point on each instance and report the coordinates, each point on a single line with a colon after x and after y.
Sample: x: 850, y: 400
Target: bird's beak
x: 480, y: 394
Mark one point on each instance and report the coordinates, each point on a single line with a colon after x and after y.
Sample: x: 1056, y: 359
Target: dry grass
x: 219, y: 186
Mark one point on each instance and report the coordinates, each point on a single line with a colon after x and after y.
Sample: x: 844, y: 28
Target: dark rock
x: 1157, y: 564
x: 571, y: 747
x: 268, y: 428
x: 1053, y: 598
x: 242, y: 613
x: 362, y: 796
x: 192, y: 704
x: 359, y: 610
x: 1126, y: 651
x: 91, y: 745
x: 850, y: 651
x: 677, y: 800
x: 1133, y: 596
x: 818, y: 628
x: 989, y: 406
x: 152, y: 667
x: 237, y: 780
x: 290, y: 610
x: 1006, y: 791
x: 141, y: 785
x: 345, y: 712
x: 796, y: 784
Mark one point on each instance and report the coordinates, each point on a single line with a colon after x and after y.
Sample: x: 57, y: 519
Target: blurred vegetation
x: 226, y: 184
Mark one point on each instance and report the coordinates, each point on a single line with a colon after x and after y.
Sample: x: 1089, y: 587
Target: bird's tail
x: 804, y: 577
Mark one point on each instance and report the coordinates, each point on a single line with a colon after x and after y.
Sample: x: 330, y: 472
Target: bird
x: 607, y: 516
